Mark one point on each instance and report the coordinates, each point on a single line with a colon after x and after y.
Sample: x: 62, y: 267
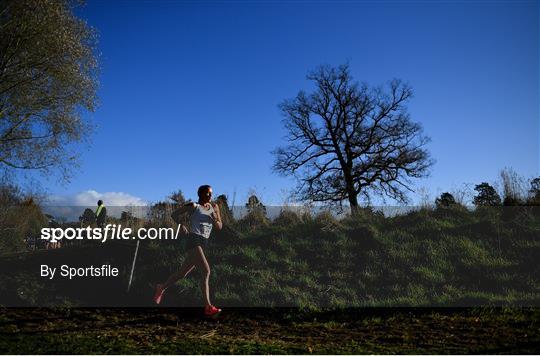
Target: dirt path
x: 170, y: 330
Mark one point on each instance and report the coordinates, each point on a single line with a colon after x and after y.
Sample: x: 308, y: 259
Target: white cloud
x: 72, y: 206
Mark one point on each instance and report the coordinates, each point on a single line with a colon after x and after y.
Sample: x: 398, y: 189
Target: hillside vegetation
x: 429, y: 257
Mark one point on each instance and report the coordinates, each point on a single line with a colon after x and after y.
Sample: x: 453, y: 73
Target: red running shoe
x: 159, y: 293
x: 210, y: 310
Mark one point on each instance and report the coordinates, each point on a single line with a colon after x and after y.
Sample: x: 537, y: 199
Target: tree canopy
x: 534, y: 191
x: 48, y: 77
x: 487, y: 195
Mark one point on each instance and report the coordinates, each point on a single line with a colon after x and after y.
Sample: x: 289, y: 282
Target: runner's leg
x: 187, y: 267
x: 204, y: 267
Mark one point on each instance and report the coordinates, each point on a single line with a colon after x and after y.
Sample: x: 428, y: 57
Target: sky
x: 189, y: 90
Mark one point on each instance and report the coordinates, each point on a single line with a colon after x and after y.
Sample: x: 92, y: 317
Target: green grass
x: 422, y: 258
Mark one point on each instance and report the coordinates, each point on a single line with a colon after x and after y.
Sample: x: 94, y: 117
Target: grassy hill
x: 444, y: 257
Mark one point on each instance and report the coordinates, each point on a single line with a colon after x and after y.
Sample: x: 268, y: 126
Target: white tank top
x: 201, y: 221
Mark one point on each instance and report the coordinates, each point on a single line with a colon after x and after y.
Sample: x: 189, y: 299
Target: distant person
x: 204, y: 215
x: 101, y: 214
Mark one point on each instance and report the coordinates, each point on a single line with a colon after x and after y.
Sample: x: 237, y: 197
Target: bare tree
x: 48, y: 74
x: 514, y: 187
x: 347, y: 140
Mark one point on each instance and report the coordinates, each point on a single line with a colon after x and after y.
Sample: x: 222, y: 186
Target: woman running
x: 204, y: 215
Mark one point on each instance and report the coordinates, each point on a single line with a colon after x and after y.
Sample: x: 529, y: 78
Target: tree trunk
x: 353, y: 201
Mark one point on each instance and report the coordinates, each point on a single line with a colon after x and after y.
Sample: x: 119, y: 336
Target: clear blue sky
x: 189, y: 90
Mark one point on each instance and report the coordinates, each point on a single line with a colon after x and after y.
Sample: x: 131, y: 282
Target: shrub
x: 20, y: 224
x: 446, y: 200
x: 254, y: 220
x: 365, y: 215
x: 226, y: 213
x: 326, y: 221
x: 513, y: 185
x: 456, y: 213
x: 287, y: 218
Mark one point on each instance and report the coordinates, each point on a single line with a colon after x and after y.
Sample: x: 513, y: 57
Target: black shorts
x: 194, y: 240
